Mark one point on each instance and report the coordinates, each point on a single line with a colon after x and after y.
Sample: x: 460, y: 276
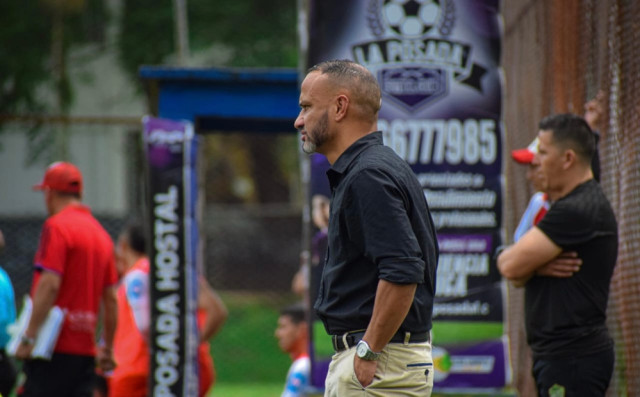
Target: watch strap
x: 370, y: 355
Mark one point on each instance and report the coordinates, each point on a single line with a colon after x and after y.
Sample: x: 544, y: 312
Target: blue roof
x: 227, y: 75
x: 226, y: 98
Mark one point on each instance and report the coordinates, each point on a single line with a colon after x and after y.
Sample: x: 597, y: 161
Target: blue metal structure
x: 224, y: 99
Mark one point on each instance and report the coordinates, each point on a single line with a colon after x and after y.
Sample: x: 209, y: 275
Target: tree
x: 37, y: 37
x: 34, y: 42
x: 233, y: 33
x: 24, y: 49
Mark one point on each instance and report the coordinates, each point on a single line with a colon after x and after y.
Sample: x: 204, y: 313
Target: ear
x: 342, y: 105
x: 569, y: 158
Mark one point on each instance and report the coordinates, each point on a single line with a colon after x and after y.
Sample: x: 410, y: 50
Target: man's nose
x: 299, y: 123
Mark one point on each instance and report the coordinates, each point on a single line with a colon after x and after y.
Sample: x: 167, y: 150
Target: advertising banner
x: 170, y: 149
x: 438, y: 65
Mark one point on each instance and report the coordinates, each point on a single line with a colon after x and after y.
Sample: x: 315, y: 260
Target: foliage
x: 26, y: 45
x: 24, y: 48
x: 34, y: 81
x: 261, y: 33
x: 255, y: 33
x: 28, y: 67
x: 146, y: 34
x: 251, y: 33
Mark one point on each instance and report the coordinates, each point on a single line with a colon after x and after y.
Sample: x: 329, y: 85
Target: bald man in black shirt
x: 378, y: 284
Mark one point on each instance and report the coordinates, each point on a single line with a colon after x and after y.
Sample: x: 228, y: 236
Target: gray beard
x: 319, y: 133
x: 308, y: 146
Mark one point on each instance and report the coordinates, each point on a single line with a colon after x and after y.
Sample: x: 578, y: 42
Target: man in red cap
x: 539, y: 203
x: 74, y: 269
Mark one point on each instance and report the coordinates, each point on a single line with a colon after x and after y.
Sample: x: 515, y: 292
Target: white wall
x: 99, y: 155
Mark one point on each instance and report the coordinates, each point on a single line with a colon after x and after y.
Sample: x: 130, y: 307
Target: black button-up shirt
x: 380, y: 228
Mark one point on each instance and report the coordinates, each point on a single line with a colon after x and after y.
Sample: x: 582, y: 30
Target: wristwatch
x: 364, y: 352
x: 25, y: 340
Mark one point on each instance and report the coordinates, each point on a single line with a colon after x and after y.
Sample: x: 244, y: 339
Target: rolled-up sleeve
x: 379, y: 225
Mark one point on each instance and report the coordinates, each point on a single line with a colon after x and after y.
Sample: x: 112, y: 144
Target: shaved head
x: 357, y: 81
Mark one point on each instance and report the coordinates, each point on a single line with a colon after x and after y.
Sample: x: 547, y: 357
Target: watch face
x: 361, y: 350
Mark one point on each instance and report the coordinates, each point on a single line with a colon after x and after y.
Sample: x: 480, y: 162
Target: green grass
x: 246, y: 350
x: 321, y: 341
x: 451, y: 332
x: 249, y: 362
x: 247, y: 389
x: 488, y: 393
x: 247, y: 358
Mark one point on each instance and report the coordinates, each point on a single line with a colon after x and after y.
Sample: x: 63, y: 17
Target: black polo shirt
x: 380, y: 228
x: 566, y: 317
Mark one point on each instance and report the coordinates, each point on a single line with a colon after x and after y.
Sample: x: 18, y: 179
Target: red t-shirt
x: 74, y: 245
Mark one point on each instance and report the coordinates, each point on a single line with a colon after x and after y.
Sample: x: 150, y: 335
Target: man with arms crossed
x: 566, y: 314
x: 378, y: 284
x: 74, y: 270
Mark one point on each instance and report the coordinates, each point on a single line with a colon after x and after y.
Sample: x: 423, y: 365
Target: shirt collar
x: 75, y: 207
x: 353, y: 151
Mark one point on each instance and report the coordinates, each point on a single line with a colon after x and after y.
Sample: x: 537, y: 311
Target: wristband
x: 25, y: 340
x: 499, y: 250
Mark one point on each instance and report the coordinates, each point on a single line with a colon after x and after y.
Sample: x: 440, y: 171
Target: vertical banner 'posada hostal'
x: 170, y: 148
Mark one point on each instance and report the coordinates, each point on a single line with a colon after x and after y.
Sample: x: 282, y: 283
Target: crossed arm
x: 536, y: 254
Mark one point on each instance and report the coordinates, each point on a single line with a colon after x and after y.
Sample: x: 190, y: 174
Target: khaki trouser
x: 403, y: 370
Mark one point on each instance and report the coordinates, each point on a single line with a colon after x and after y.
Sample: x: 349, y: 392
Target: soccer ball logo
x: 411, y: 18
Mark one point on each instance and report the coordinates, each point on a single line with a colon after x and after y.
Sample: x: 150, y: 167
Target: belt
x: 350, y: 339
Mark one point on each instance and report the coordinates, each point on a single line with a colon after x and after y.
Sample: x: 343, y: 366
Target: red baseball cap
x: 525, y: 156
x: 62, y: 177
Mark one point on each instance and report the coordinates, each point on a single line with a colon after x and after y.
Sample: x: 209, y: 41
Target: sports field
x: 247, y: 357
x: 247, y: 389
x: 248, y: 360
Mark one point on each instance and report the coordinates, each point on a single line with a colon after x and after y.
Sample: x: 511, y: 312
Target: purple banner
x: 476, y: 366
x: 171, y: 186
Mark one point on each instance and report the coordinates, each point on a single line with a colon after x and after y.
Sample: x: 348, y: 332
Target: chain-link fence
x: 252, y: 223
x: 557, y: 56
x: 252, y: 218
x: 21, y: 235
